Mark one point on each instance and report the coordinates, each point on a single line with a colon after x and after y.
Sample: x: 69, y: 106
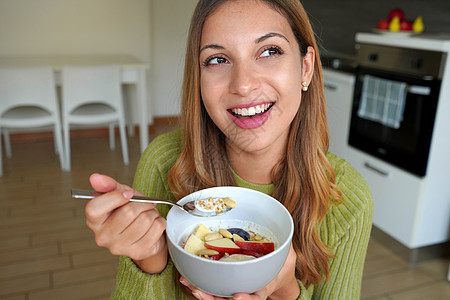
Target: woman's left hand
x: 284, y: 286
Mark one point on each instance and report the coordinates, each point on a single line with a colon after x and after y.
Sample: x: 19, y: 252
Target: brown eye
x: 271, y: 51
x: 214, y: 61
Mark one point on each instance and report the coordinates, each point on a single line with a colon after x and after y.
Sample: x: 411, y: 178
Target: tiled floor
x: 47, y: 252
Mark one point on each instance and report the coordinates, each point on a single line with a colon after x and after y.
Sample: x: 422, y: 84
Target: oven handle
x: 377, y: 170
x: 418, y: 90
x: 412, y: 89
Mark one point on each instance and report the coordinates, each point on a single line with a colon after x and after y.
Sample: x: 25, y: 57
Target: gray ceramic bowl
x: 227, y: 278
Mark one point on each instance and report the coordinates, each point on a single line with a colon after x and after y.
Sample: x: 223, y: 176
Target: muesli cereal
x: 227, y: 244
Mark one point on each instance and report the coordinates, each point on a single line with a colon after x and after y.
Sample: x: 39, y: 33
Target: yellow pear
x: 394, y: 25
x: 418, y: 25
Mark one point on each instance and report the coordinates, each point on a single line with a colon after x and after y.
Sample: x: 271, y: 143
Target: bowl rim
x: 286, y: 243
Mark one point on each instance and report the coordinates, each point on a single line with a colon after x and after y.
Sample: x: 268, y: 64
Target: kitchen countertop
x: 339, y: 62
x: 433, y: 42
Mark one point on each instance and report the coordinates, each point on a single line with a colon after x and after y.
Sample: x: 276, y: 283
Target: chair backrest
x: 28, y: 87
x: 85, y: 85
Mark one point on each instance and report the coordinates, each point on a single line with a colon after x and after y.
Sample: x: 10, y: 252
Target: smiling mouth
x: 252, y: 111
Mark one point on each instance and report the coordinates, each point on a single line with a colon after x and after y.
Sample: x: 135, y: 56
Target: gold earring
x: 304, y: 86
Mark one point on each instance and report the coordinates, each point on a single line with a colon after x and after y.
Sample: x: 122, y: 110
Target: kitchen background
x: 336, y: 22
x: 154, y: 31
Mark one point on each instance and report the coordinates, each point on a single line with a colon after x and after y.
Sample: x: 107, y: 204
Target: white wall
x: 33, y: 27
x: 170, y: 25
x: 153, y: 31
x: 71, y: 27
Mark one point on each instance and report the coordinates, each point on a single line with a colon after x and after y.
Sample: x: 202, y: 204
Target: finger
x: 113, y: 229
x: 145, y: 235
x: 125, y: 215
x: 100, y: 208
x: 198, y: 293
x: 255, y: 296
x: 195, y: 292
x: 152, y: 243
x: 154, y: 226
x: 104, y: 183
x: 241, y: 296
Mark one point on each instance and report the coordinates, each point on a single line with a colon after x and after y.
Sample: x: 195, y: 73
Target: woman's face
x: 251, y: 74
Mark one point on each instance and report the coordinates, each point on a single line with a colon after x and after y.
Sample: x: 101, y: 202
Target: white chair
x: 28, y: 100
x: 93, y: 95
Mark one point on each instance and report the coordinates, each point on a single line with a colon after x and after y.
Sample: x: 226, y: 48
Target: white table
x: 133, y: 72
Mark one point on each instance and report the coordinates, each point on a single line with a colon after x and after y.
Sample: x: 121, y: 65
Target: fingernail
x: 197, y: 295
x: 237, y: 298
x: 128, y: 194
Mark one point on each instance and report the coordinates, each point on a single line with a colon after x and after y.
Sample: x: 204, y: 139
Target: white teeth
x: 250, y: 111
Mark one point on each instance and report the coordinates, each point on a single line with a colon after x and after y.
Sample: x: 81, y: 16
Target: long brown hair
x: 303, y: 179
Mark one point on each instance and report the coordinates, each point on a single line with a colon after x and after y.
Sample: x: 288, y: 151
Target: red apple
x: 201, y: 231
x: 383, y: 24
x: 216, y: 257
x: 261, y: 247
x: 223, y: 246
x: 194, y: 244
x: 406, y: 25
x: 237, y: 257
x: 252, y: 253
x: 396, y: 12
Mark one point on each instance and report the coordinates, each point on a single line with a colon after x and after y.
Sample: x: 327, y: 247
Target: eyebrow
x: 257, y: 41
x: 212, y: 46
x: 269, y: 35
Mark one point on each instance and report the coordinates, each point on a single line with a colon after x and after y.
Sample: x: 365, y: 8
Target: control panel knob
x: 417, y: 63
x: 373, y: 56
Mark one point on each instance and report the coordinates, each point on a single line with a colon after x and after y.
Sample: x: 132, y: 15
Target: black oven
x: 394, y: 105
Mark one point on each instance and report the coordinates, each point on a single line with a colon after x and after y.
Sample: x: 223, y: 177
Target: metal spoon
x: 188, y: 207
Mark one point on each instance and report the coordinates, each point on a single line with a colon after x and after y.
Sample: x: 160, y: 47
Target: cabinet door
x: 338, y: 89
x: 396, y: 195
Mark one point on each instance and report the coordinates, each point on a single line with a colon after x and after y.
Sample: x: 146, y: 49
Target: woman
x: 253, y: 115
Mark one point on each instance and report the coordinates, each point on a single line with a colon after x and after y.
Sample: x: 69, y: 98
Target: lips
x: 250, y: 117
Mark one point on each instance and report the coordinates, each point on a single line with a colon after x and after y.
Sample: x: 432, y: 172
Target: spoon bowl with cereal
x: 208, y: 207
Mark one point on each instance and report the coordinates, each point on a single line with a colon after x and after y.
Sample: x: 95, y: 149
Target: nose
x: 244, y: 80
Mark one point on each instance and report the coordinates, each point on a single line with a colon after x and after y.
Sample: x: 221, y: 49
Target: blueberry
x: 241, y: 232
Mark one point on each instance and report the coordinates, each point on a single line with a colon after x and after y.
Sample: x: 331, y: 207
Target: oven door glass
x: 406, y: 145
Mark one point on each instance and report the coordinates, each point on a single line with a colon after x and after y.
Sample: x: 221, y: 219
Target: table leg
x: 142, y: 99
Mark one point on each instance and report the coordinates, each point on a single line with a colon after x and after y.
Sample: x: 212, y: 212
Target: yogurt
x: 210, y: 205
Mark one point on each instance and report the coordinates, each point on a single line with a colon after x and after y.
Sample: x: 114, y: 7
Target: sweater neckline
x: 263, y: 188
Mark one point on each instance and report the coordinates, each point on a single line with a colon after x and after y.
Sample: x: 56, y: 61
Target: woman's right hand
x: 127, y: 228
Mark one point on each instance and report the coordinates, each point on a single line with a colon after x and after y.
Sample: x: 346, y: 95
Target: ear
x: 308, y: 65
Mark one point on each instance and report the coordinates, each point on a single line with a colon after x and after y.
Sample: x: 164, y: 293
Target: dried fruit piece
x: 208, y: 252
x: 237, y: 238
x: 241, y: 232
x: 257, y: 237
x: 229, y: 202
x: 225, y: 233
x: 212, y: 236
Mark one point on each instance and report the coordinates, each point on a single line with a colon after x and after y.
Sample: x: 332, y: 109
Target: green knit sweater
x: 345, y: 229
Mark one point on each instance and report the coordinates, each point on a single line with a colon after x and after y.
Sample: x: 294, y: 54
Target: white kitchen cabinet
x: 413, y: 210
x: 338, y: 89
x: 396, y: 195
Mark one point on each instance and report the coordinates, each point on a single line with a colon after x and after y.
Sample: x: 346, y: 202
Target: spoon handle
x: 90, y: 194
